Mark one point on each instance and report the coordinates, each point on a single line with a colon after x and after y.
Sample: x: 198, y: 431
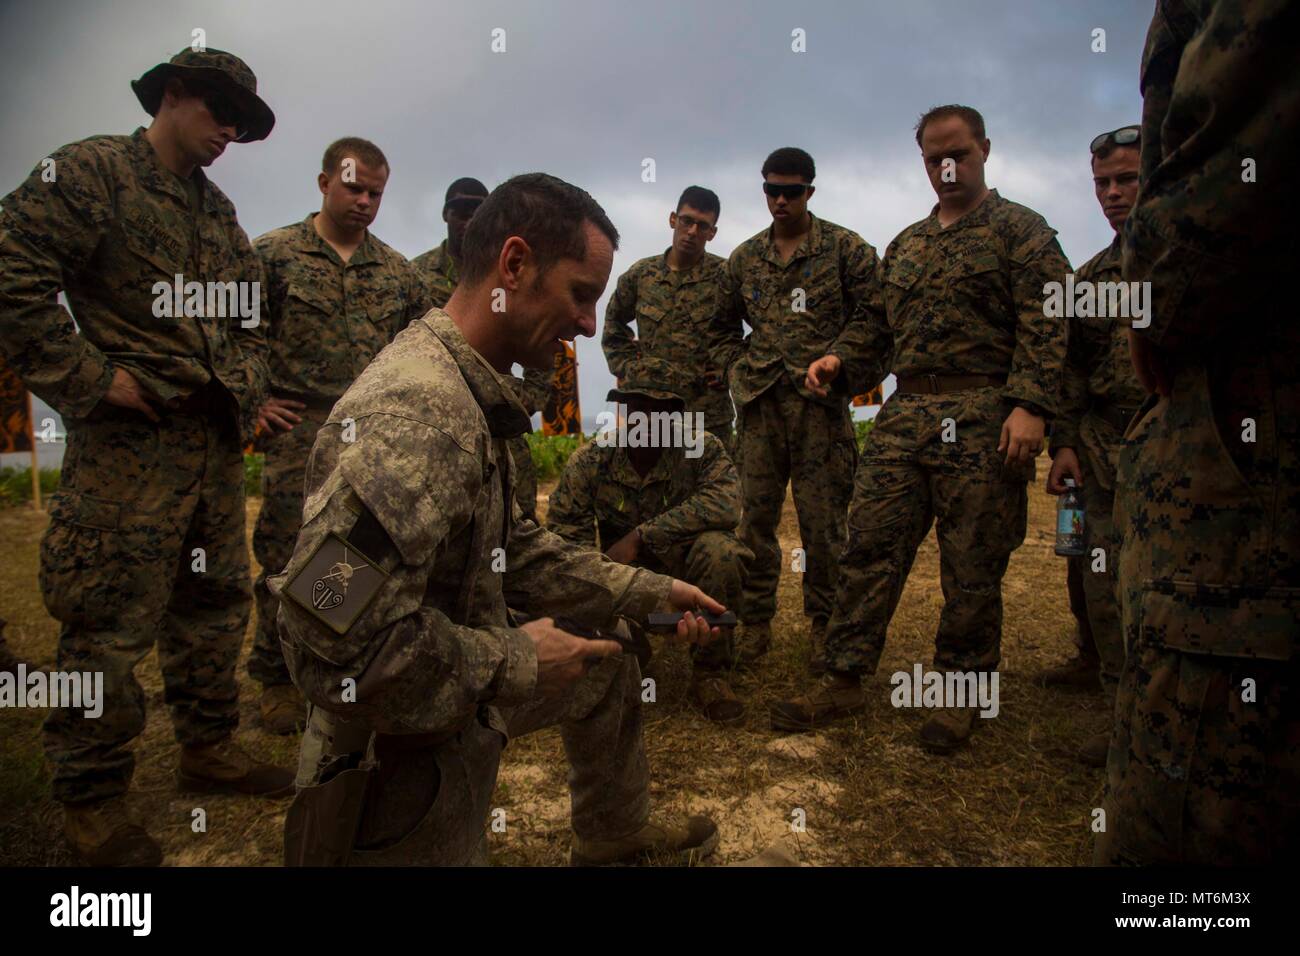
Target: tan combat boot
x: 224, y: 767
x: 103, y: 833
x: 948, y: 729
x: 753, y: 642
x: 654, y: 841
x: 834, y: 697
x: 715, y: 698
x: 817, y: 648
x: 1078, y: 672
x: 283, y: 709
x: 1094, y: 750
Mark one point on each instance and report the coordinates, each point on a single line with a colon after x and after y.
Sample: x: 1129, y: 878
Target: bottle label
x: 1069, y: 521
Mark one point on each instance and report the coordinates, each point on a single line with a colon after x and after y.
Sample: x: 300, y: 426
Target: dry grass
x: 870, y: 795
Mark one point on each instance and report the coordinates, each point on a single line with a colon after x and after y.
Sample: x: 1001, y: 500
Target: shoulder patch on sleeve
x: 337, y: 584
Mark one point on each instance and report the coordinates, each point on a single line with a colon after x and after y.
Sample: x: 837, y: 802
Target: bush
x: 253, y: 474
x: 551, y: 453
x: 862, y: 429
x: 16, y: 484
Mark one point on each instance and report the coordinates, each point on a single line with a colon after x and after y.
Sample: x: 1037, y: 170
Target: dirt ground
x: 868, y: 793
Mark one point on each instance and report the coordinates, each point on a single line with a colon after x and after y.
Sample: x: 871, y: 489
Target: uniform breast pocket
x: 822, y: 292
x: 307, y: 319
x: 757, y: 294
x: 649, y: 319
x: 978, y: 278
x: 900, y: 282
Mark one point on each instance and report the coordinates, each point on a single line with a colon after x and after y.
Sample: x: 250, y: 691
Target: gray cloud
x: 586, y: 90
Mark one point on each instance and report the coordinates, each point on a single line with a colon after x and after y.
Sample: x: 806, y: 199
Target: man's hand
x: 125, y: 392
x: 1022, y: 436
x: 626, y: 548
x: 277, y: 415
x: 1149, y: 364
x: 1065, y: 464
x: 691, y: 629
x: 821, y: 374
x: 561, y: 656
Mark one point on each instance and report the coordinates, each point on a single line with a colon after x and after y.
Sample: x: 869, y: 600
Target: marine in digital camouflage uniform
x: 1204, y: 764
x: 1100, y: 394
x: 409, y: 558
x: 673, y: 299
x: 959, y: 320
x: 158, y: 405
x: 802, y: 298
x: 463, y: 197
x: 672, y: 510
x: 328, y: 318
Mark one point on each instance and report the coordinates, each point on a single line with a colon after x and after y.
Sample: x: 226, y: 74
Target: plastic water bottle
x: 1069, y: 521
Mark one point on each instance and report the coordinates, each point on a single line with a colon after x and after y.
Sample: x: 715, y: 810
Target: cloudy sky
x: 588, y: 89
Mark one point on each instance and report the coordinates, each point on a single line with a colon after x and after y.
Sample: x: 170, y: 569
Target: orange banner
x: 874, y: 397
x: 15, y: 412
x: 563, y: 412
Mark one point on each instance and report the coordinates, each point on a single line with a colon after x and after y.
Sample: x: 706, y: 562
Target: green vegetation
x: 253, y: 474
x: 550, y: 453
x: 862, y: 429
x: 16, y: 484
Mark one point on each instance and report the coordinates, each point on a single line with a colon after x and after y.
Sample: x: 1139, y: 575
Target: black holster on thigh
x: 320, y: 828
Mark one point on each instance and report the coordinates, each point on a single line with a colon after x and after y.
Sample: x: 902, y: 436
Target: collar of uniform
x: 978, y: 216
x: 622, y: 471
x: 154, y: 175
x: 505, y: 414
x: 439, y: 259
x: 310, y: 241
x: 1115, y: 250
x: 694, y: 274
x: 810, y: 246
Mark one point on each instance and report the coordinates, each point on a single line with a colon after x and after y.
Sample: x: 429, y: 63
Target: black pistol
x: 668, y: 622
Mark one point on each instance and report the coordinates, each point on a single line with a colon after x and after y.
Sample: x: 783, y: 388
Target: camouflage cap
x: 224, y: 71
x: 651, y: 378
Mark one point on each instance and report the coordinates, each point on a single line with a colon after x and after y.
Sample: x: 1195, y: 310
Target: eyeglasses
x: 224, y: 113
x: 690, y: 222
x: 1124, y: 136
x: 463, y: 205
x: 788, y: 190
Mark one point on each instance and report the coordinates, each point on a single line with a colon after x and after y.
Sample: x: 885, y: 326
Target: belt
x: 1117, y: 416
x: 199, y: 403
x: 941, y: 384
x: 313, y: 402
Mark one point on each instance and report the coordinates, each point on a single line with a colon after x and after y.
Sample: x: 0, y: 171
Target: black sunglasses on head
x: 1124, y: 136
x: 788, y: 190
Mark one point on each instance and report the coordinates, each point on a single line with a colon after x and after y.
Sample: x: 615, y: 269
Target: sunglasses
x: 224, y: 112
x: 464, y: 205
x: 788, y: 190
x: 1124, y: 136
